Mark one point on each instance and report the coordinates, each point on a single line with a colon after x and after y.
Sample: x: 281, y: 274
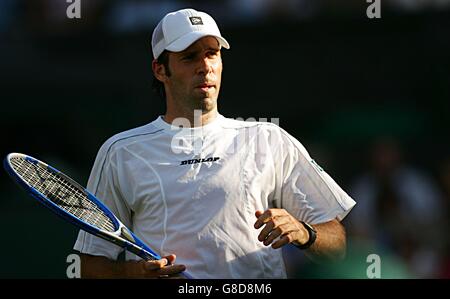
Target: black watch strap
x: 312, y: 236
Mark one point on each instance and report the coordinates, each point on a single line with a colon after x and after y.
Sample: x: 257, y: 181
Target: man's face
x: 196, y: 75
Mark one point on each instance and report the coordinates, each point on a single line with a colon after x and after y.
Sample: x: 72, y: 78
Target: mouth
x: 206, y: 86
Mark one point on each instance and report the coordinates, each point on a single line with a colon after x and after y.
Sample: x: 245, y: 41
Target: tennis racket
x: 69, y: 200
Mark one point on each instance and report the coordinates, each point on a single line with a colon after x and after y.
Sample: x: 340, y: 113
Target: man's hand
x: 102, y: 267
x: 163, y: 268
x: 330, y: 244
x: 279, y: 223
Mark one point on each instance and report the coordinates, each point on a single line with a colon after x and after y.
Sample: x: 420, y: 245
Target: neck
x: 190, y: 118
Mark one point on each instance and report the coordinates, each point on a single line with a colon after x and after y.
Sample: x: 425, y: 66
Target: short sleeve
x: 103, y: 184
x: 304, y: 189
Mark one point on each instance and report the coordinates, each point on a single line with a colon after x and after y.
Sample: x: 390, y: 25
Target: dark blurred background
x: 369, y: 99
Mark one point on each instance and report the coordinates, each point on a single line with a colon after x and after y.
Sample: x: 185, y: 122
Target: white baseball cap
x: 180, y: 29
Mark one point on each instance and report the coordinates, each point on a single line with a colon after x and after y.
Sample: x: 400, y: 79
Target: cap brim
x: 185, y: 41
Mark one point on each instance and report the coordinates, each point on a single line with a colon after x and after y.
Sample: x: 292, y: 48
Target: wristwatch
x: 312, y: 236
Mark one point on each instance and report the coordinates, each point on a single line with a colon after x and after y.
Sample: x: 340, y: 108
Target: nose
x: 205, y: 66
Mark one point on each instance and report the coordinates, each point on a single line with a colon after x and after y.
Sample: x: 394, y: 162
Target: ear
x: 159, y: 71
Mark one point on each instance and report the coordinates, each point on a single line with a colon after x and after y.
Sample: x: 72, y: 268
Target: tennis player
x: 223, y: 195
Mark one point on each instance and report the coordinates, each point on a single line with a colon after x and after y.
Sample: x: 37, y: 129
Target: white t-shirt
x: 194, y: 192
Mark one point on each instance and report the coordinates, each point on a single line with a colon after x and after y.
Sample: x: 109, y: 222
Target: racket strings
x: 62, y: 192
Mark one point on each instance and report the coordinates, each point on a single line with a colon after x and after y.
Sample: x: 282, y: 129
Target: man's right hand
x: 163, y: 268
x: 102, y: 267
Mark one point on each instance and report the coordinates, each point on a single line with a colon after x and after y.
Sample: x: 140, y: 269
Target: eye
x: 188, y: 57
x: 213, y: 53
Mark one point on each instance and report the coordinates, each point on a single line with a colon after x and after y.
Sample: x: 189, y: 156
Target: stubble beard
x: 206, y: 105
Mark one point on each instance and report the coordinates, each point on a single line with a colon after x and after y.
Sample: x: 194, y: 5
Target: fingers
x: 272, y: 220
x: 163, y: 268
x: 261, y: 219
x: 286, y: 239
x: 277, y: 232
x: 171, y: 270
x: 278, y: 223
x: 171, y: 258
x: 156, y: 264
x: 267, y: 216
x: 266, y: 231
x: 258, y: 213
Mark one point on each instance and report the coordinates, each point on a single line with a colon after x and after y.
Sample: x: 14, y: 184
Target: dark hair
x: 158, y: 86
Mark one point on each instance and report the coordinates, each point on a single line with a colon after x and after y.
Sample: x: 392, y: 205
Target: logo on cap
x: 196, y: 20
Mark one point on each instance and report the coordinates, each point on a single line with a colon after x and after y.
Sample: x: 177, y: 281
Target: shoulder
x: 268, y: 132
x: 263, y: 129
x: 127, y: 137
x: 250, y: 124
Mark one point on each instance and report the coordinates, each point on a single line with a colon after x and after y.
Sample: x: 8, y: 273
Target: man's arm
x: 102, y: 267
x: 330, y: 244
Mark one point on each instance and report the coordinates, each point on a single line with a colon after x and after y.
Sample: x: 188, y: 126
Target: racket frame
x: 122, y: 236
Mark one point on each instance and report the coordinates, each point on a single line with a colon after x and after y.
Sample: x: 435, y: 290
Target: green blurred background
x: 369, y: 98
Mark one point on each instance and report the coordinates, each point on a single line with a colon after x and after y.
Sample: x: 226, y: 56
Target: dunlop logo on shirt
x: 202, y: 160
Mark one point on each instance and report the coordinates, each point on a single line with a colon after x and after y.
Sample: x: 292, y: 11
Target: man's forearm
x: 330, y: 244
